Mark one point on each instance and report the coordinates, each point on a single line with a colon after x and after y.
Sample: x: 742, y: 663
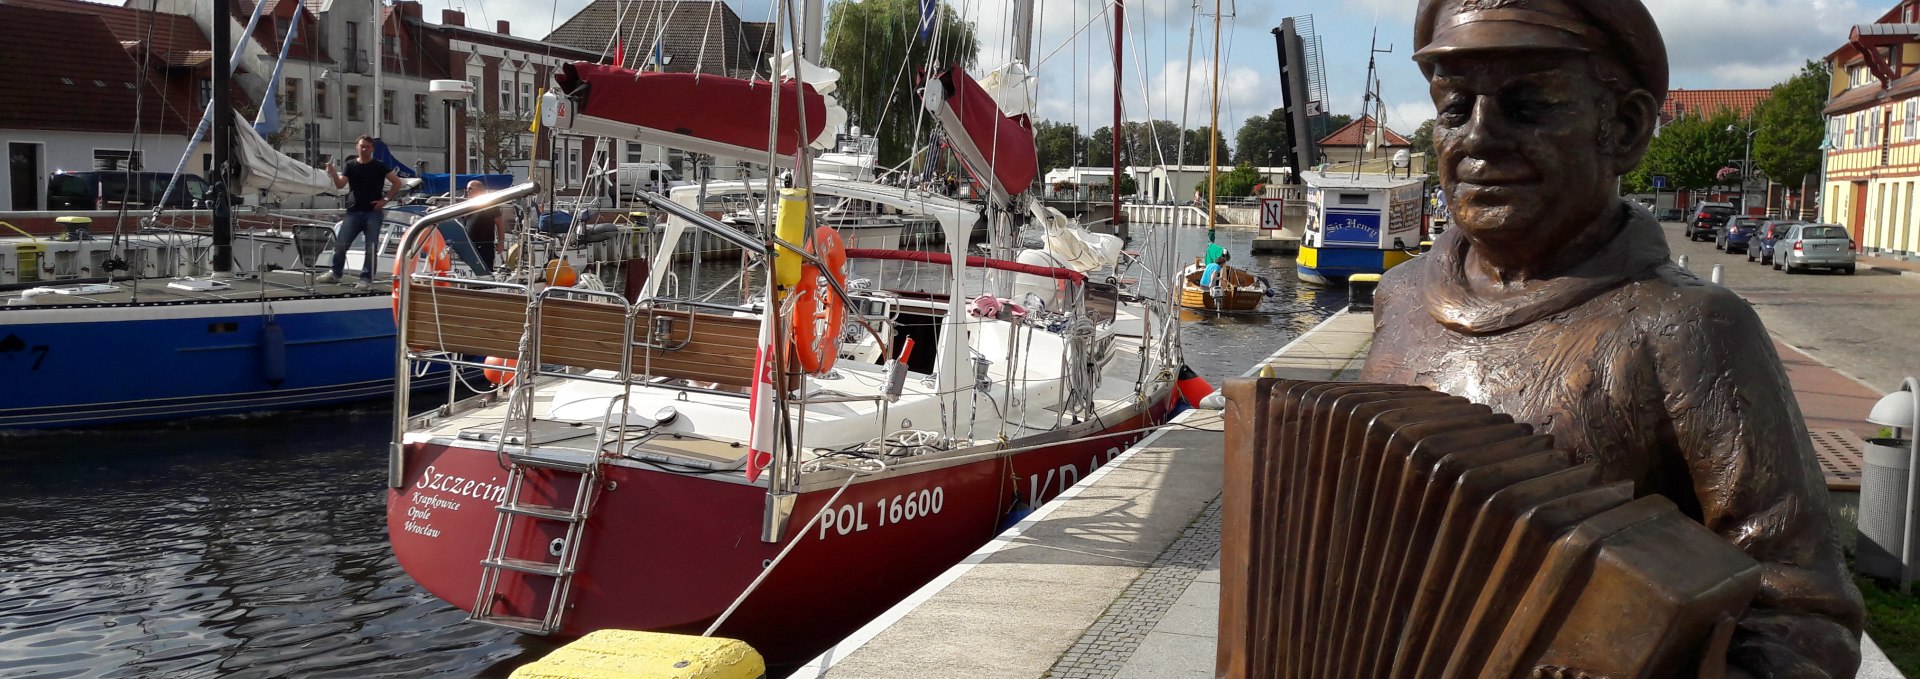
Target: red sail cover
x: 715, y: 108
x: 1004, y: 144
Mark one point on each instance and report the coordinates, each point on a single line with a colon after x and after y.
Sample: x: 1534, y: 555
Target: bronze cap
x: 1621, y: 30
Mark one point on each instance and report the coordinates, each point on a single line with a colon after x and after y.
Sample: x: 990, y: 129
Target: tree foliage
x: 1787, y: 146
x: 1150, y: 142
x: 1262, y: 139
x: 1690, y: 152
x: 1423, y: 138
x: 501, y: 138
x: 1195, y: 141
x: 870, y: 42
x: 1241, y: 180
x: 1055, y: 143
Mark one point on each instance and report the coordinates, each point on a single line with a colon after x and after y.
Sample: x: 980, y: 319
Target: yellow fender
x: 620, y: 654
x: 790, y: 226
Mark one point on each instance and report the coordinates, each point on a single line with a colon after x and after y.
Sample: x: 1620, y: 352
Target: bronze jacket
x: 1664, y: 380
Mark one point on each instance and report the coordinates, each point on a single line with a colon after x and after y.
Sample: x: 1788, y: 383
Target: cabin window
x: 1353, y: 199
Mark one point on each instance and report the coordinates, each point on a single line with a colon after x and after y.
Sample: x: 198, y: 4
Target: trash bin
x: 1886, y: 463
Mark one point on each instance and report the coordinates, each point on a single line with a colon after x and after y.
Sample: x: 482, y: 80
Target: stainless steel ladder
x: 560, y: 571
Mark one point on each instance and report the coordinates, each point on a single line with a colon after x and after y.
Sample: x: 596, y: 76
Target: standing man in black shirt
x: 363, y: 179
x: 483, y: 226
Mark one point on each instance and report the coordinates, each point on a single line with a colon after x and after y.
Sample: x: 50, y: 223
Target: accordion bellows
x: 1392, y: 531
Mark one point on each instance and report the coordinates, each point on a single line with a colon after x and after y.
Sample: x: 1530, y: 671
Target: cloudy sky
x: 1711, y: 43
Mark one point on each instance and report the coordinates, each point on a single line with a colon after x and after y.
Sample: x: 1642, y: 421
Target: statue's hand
x: 1713, y: 656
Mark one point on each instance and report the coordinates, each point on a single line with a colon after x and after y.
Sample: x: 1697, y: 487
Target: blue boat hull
x: 1327, y: 266
x: 84, y: 366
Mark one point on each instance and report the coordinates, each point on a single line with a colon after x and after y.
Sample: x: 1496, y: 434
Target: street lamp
x: 1746, y: 165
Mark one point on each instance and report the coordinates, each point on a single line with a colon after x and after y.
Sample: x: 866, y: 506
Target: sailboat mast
x: 1213, y: 128
x: 1119, y: 59
x: 222, y: 120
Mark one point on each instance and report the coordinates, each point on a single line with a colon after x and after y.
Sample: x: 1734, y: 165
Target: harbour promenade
x: 1119, y: 577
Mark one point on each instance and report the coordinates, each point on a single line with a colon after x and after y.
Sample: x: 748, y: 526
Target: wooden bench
x: 668, y: 343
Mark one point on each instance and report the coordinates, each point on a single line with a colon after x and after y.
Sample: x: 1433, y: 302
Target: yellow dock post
x: 621, y: 654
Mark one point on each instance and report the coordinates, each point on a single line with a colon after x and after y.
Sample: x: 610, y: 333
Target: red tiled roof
x: 1681, y: 101
x: 1355, y: 135
x: 171, y: 32
x: 67, y: 71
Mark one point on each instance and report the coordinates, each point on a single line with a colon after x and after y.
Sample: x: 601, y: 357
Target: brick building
x: 73, y: 88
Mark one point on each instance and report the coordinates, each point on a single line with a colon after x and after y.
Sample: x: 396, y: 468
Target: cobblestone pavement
x: 1863, y: 325
x: 1107, y: 646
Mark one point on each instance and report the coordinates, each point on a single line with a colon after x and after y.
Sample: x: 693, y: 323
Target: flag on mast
x: 761, y: 415
x: 620, y: 53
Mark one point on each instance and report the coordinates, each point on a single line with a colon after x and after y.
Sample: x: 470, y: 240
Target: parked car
x: 108, y: 189
x: 1769, y: 234
x: 1737, y: 235
x: 1707, y: 219
x: 1807, y: 246
x: 1672, y: 214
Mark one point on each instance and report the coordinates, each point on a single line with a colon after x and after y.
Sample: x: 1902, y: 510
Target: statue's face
x: 1526, y: 145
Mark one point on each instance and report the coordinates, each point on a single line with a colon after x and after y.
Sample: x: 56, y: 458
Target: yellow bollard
x: 621, y: 654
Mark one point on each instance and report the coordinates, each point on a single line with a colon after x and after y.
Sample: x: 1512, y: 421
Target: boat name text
x: 852, y: 518
x: 473, y: 488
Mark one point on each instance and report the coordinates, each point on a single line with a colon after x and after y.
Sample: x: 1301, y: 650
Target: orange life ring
x: 434, y: 251
x: 816, y: 312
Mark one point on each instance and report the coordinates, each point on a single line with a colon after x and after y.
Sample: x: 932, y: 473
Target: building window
x: 506, y: 96
x: 420, y: 111
x: 473, y: 100
x: 636, y: 153
x: 353, y: 102
x: 320, y: 99
x: 386, y: 106
x: 389, y: 45
x: 116, y: 159
x: 206, y: 91
x: 290, y: 99
x: 1907, y: 125
x: 526, y: 96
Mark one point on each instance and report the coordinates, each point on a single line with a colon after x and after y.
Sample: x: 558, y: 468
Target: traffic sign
x: 1271, y: 212
x: 1659, y: 181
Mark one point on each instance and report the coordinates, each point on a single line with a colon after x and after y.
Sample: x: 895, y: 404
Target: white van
x: 636, y: 177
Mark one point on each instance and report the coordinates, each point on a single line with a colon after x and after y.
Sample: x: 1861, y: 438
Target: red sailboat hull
x: 669, y: 552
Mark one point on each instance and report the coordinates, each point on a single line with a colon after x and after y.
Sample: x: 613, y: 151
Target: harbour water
x: 247, y: 547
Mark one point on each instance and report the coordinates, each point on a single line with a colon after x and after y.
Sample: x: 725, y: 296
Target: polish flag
x: 760, y: 415
x: 620, y: 53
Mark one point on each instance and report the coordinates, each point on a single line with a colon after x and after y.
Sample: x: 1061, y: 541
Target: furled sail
x: 996, y: 148
x: 702, y: 113
x: 266, y: 171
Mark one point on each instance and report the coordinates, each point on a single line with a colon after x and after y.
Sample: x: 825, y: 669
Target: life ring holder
x: 815, y: 311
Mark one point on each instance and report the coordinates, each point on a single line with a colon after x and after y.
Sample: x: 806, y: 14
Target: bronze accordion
x: 1392, y: 531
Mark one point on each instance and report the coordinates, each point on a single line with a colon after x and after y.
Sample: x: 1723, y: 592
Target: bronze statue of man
x: 1554, y: 300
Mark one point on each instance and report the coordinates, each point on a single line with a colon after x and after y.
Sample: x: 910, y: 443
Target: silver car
x: 1805, y: 246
